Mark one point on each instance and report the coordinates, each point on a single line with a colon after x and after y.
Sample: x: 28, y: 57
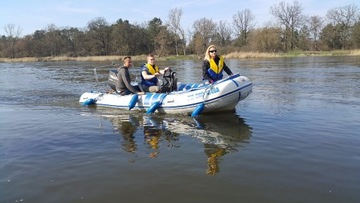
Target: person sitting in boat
x: 123, y: 83
x: 149, y: 73
x: 214, y: 65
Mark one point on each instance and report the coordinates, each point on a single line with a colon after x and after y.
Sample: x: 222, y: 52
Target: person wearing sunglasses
x: 214, y: 65
x: 149, y: 73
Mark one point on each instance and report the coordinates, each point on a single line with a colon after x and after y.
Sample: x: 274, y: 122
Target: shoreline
x: 233, y: 55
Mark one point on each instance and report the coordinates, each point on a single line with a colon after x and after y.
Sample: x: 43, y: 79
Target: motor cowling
x: 112, y: 79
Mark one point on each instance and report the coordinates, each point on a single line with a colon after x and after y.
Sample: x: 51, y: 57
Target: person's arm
x: 227, y: 69
x: 206, y: 66
x: 162, y: 72
x: 145, y: 75
x: 126, y: 78
x: 148, y: 76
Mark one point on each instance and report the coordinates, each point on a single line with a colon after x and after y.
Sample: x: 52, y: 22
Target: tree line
x: 292, y: 30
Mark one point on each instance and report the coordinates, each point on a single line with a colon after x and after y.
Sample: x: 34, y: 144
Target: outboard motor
x: 112, y: 79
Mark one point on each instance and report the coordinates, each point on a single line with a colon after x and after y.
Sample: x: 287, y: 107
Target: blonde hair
x: 207, y: 55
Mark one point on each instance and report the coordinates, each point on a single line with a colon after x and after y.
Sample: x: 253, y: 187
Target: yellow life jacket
x: 217, y: 68
x: 151, y: 69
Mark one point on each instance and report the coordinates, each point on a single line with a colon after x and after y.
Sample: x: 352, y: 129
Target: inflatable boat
x: 191, y: 99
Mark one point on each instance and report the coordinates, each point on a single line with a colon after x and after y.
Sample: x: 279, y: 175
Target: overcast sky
x: 32, y: 15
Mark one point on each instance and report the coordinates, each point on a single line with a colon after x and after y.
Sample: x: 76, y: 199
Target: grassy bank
x: 234, y: 55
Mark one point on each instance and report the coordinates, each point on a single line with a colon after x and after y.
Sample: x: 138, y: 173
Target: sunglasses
x: 212, y: 51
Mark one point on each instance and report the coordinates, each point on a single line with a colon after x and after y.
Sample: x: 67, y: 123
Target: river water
x: 294, y: 139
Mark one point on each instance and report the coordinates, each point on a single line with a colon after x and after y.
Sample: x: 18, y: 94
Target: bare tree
x: 121, y: 37
x: 183, y: 37
x: 356, y: 34
x: 345, y: 17
x: 316, y: 23
x: 243, y: 22
x: 99, y: 33
x: 163, y: 42
x: 291, y: 17
x: 303, y: 40
x: 204, y: 30
x: 153, y: 28
x: 13, y: 35
x: 53, y: 40
x: 223, y: 33
x: 266, y: 39
x: 175, y: 27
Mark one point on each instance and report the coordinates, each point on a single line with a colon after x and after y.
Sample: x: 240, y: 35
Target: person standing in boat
x: 214, y: 65
x: 123, y: 83
x: 149, y: 73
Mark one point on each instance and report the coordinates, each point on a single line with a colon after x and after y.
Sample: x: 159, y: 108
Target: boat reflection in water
x: 220, y: 134
x: 152, y: 129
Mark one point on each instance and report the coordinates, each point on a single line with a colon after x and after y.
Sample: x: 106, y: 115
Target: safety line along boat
x: 191, y: 99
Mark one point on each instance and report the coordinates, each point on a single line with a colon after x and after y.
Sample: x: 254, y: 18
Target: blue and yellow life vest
x: 152, y: 70
x: 215, y: 71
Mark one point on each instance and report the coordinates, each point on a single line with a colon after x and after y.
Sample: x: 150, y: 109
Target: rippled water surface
x: 294, y: 139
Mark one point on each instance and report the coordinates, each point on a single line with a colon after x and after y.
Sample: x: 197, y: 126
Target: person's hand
x: 166, y: 68
x: 157, y: 74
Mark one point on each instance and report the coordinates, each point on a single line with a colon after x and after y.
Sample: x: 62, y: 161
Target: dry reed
x: 67, y: 58
x: 242, y: 55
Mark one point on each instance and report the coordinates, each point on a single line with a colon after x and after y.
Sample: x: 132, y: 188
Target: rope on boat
x: 201, y: 106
